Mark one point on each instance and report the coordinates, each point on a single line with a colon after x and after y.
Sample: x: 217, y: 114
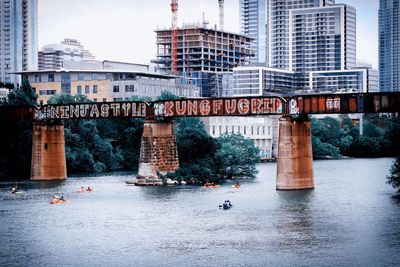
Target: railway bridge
x: 158, y: 153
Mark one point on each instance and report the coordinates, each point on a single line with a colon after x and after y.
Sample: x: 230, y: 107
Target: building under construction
x: 202, y: 55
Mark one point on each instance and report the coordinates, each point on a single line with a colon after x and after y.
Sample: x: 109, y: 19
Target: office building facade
x: 105, y: 85
x: 389, y: 45
x: 18, y: 38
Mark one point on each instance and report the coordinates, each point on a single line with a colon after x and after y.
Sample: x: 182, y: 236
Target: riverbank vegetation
x: 16, y: 137
x: 339, y: 137
x: 394, y: 177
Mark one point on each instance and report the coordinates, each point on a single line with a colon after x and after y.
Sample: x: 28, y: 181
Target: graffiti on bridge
x: 344, y: 103
x: 219, y: 107
x: 93, y: 111
x: 203, y: 107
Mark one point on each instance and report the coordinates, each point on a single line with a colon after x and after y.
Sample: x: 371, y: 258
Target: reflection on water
x: 350, y: 218
x: 49, y: 184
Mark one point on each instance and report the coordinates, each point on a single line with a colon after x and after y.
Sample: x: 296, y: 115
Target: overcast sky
x: 123, y: 30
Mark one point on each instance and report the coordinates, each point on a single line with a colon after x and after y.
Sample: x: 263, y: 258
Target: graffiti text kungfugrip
x: 219, y: 107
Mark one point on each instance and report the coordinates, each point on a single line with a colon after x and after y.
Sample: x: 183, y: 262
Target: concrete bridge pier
x: 48, y: 152
x: 158, y: 152
x: 295, y: 159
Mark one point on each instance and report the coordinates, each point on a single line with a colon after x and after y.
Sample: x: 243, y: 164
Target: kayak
x: 58, y: 201
x: 211, y: 186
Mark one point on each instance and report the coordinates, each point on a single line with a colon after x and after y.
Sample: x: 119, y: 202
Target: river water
x: 349, y: 219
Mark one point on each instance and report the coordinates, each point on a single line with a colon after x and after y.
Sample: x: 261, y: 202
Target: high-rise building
x: 55, y: 56
x: 18, y: 38
x: 253, y: 20
x: 389, y: 45
x: 315, y: 41
x: 278, y: 28
x: 322, y: 38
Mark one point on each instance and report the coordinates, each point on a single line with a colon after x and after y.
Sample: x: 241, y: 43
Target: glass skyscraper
x: 322, y: 38
x: 314, y: 41
x: 253, y: 24
x: 278, y: 28
x: 389, y: 45
x: 18, y: 38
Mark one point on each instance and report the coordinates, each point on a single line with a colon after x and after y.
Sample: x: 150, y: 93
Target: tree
x: 23, y: 95
x: 100, y: 145
x: 237, y: 157
x: 394, y: 177
x: 16, y: 137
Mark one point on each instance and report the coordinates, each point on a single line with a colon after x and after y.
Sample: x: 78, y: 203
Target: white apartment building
x: 55, y: 56
x: 262, y: 130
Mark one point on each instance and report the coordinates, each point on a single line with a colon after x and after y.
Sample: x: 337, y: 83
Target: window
x: 104, y: 99
x: 81, y: 76
x: 50, y: 77
x: 129, y: 88
x: 47, y: 92
x: 95, y: 89
x: 95, y: 99
x: 95, y: 76
x: 116, y: 89
x: 117, y: 98
x: 79, y: 90
x: 38, y: 78
x: 87, y: 89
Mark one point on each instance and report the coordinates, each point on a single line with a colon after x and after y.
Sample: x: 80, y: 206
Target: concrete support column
x: 48, y: 152
x: 158, y: 152
x: 295, y: 159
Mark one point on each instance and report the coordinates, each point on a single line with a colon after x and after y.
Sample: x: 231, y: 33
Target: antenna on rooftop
x: 221, y: 14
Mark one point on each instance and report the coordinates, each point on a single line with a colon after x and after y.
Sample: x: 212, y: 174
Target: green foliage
x: 166, y: 95
x: 68, y: 99
x: 335, y: 137
x: 203, y: 158
x: 100, y: 145
x: 394, y: 177
x: 324, y: 150
x: 16, y: 137
x: 365, y: 146
x: 237, y: 157
x: 23, y: 95
x: 193, y: 140
x: 392, y: 136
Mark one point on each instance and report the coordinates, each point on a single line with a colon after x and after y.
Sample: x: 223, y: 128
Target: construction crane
x: 221, y: 14
x: 174, y: 33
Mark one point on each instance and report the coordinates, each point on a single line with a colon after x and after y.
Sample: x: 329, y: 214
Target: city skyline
x: 97, y: 25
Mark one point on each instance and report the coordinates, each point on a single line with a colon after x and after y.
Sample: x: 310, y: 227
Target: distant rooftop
x: 146, y: 74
